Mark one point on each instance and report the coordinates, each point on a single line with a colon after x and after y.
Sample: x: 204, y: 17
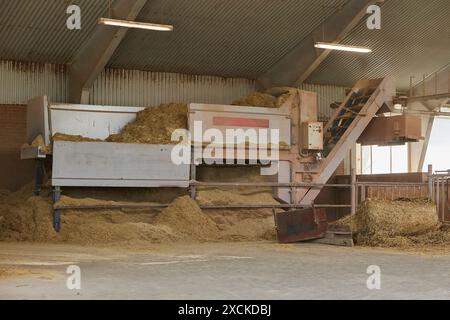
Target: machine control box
x: 312, y: 136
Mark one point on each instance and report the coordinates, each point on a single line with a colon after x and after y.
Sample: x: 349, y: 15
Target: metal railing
x: 439, y: 192
x: 432, y: 84
x: 292, y: 186
x: 436, y: 189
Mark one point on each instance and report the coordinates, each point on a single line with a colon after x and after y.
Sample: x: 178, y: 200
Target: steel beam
x: 93, y: 56
x: 425, y: 143
x: 425, y: 98
x: 295, y: 67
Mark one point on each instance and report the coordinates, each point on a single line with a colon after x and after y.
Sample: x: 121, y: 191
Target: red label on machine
x: 241, y: 122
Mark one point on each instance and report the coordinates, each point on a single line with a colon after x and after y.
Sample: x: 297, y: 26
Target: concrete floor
x: 258, y: 270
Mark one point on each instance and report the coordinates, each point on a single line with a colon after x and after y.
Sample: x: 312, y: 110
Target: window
x: 438, y: 151
x: 384, y: 159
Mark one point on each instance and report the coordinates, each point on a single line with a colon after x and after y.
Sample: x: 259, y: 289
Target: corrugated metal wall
x: 326, y: 94
x: 143, y: 88
x: 21, y: 81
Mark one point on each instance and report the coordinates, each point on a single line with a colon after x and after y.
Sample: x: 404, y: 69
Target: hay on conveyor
x: 154, y: 125
x: 397, y: 223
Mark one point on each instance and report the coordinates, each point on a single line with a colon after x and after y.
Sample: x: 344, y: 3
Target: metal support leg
x: 438, y: 195
x: 193, y: 189
x: 56, y: 212
x: 353, y: 191
x: 443, y: 200
x: 39, y: 177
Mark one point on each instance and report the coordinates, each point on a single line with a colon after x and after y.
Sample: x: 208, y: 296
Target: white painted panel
x: 116, y: 165
x: 97, y: 122
x: 37, y: 119
x: 208, y: 113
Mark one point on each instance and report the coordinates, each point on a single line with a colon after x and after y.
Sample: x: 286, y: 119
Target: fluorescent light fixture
x: 341, y: 47
x: 135, y: 24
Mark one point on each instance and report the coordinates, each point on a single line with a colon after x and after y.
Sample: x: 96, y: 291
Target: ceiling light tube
x: 341, y: 47
x: 135, y: 24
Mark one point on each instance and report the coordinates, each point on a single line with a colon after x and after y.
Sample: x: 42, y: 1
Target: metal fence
x: 439, y: 193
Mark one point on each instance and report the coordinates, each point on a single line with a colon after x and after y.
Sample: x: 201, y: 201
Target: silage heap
x: 24, y: 217
x: 259, y: 99
x: 154, y: 125
x: 398, y: 223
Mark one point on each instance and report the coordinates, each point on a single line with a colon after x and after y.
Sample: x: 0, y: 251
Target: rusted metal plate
x: 392, y: 130
x: 300, y: 225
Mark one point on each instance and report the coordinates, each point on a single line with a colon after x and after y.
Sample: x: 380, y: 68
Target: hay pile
x: 29, y: 218
x: 38, y: 142
x: 258, y: 99
x: 398, y: 223
x: 73, y: 138
x: 271, y: 98
x: 15, y: 271
x: 242, y: 224
x: 154, y: 125
x: 186, y: 218
x: 214, y: 196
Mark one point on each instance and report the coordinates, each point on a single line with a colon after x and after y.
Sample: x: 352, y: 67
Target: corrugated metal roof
x: 234, y: 38
x: 35, y: 30
x: 414, y: 40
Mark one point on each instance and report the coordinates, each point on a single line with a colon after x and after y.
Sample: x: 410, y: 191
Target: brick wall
x: 13, y: 172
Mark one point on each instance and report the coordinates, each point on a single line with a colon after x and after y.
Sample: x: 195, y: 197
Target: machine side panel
x: 222, y: 117
x: 97, y: 122
x: 106, y: 164
x: 37, y: 119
